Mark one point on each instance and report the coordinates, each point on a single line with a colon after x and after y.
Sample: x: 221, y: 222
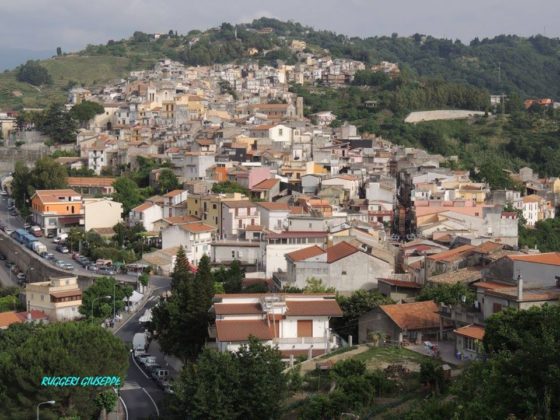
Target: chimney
x: 519, y: 287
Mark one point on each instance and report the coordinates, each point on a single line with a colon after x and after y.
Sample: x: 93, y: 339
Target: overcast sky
x: 72, y: 24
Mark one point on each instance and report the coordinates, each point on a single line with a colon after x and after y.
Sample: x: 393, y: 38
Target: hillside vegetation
x: 506, y: 63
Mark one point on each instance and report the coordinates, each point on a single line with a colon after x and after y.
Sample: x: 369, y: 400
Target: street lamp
x: 92, y: 302
x: 51, y: 402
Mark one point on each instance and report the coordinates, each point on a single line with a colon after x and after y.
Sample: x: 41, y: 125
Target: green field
x: 85, y: 70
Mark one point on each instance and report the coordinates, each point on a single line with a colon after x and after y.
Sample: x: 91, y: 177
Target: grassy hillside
x: 65, y: 71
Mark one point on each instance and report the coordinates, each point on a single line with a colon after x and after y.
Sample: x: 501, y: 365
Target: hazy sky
x: 72, y: 24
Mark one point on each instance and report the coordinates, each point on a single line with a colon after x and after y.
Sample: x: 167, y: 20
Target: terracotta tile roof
x: 82, y: 181
x: 238, y: 204
x: 452, y: 254
x: 237, y: 308
x: 346, y: 177
x: 413, y: 316
x: 240, y: 330
x: 533, y: 198
x: 341, y: 250
x: 298, y: 210
x: 197, y: 227
x: 464, y: 275
x: 270, y: 106
x: 488, y: 247
x: 52, y: 196
x: 305, y: 253
x: 267, y: 184
x: 205, y: 142
x: 35, y: 315
x: 142, y: 207
x: 548, y: 258
x: 178, y: 220
x: 325, y: 307
x: 400, y: 283
x: 492, y: 285
x: 9, y: 318
x: 67, y: 293
x: 471, y: 331
x: 275, y: 206
x: 173, y: 193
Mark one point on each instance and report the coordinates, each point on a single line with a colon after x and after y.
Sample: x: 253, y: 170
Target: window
x: 232, y: 254
x: 470, y: 344
x: 214, y: 207
x: 496, y: 307
x: 344, y: 273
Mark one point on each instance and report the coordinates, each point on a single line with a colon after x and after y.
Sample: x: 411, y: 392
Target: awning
x: 69, y: 220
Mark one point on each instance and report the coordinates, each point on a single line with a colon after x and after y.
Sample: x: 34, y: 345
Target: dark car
x: 63, y: 249
x: 51, y: 235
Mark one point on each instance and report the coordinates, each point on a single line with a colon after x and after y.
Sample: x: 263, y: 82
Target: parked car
x: 3, y: 193
x: 62, y: 249
x: 51, y: 235
x: 75, y: 256
x: 13, y: 213
x: 26, y: 226
x: 108, y: 271
x: 84, y: 262
x: 21, y: 276
x: 68, y: 266
x: 92, y: 267
x: 60, y: 263
x: 8, y: 231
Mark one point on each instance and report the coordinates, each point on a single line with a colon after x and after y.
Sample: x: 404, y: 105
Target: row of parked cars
x: 20, y: 276
x: 148, y: 364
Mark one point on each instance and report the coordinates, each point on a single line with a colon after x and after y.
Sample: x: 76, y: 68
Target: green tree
x: 32, y: 72
x: 100, y: 295
x: 228, y: 187
x: 180, y: 324
x: 21, y: 187
x: 249, y: 384
x: 32, y: 352
x: 106, y: 401
x: 354, y: 306
x: 167, y: 181
x: 48, y: 175
x: 86, y: 110
x: 315, y: 285
x: 57, y: 123
x: 449, y: 294
x: 128, y: 193
x: 431, y: 374
x: 234, y: 276
x: 58, y: 51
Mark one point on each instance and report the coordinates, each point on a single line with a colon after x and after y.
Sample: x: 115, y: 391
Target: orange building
x: 57, y: 210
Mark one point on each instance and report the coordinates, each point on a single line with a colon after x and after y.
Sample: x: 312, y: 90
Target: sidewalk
x: 127, y: 315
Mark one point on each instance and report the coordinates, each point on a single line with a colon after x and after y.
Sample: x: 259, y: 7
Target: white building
x: 194, y: 237
x: 273, y: 216
x: 350, y: 183
x: 59, y: 298
x: 298, y: 324
x: 101, y: 213
x: 146, y: 214
x: 236, y: 216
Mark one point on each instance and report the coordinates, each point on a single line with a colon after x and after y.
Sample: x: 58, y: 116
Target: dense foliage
x: 180, y: 323
x: 449, y: 294
x: 99, y: 298
x: 32, y: 72
x: 86, y: 110
x: 249, y: 384
x: 30, y: 352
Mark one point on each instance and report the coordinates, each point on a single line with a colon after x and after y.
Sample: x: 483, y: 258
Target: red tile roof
x: 173, y: 193
x: 548, y: 258
x: 488, y: 247
x: 254, y: 228
x: 275, y: 206
x: 9, y: 318
x: 341, y: 250
x: 471, y: 331
x: 265, y: 185
x: 325, y: 307
x: 413, y: 316
x: 305, y: 253
x: 237, y: 308
x: 197, y: 227
x: 400, y: 283
x: 452, y: 254
x: 178, y: 220
x: 240, y: 330
x: 492, y: 285
x: 143, y: 207
x: 82, y: 181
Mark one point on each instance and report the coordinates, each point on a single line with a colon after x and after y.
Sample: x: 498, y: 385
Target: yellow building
x: 59, y: 298
x: 208, y: 207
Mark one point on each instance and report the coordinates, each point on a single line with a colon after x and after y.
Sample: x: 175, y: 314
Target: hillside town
x: 293, y: 200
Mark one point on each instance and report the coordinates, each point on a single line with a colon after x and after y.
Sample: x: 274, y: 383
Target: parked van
x: 60, y: 238
x: 36, y: 231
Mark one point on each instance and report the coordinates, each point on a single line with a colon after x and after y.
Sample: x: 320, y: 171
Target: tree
x: 32, y: 352
x: 228, y: 187
x: 168, y: 181
x: 180, y: 324
x: 57, y: 123
x: 431, y: 374
x: 48, y: 175
x: 32, y: 72
x: 106, y: 401
x: 58, y: 51
x: 354, y: 306
x: 249, y: 384
x: 21, y: 187
x: 521, y: 376
x: 127, y: 193
x: 315, y: 285
x: 86, y: 110
x: 100, y: 294
x: 448, y: 294
x: 234, y: 276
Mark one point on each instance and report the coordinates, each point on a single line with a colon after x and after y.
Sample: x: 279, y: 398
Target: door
x: 304, y: 328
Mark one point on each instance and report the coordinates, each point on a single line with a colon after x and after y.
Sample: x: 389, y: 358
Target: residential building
x: 208, y: 207
x: 59, y: 298
x: 236, y: 216
x: 147, y: 214
x: 56, y: 211
x: 297, y: 324
x: 101, y: 213
x: 266, y: 190
x: 274, y: 215
x: 12, y: 317
x: 194, y: 237
x: 401, y: 323
x: 468, y: 341
x: 342, y: 266
x: 92, y: 186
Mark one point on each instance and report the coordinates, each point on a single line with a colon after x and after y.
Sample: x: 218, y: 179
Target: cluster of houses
x: 313, y: 202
